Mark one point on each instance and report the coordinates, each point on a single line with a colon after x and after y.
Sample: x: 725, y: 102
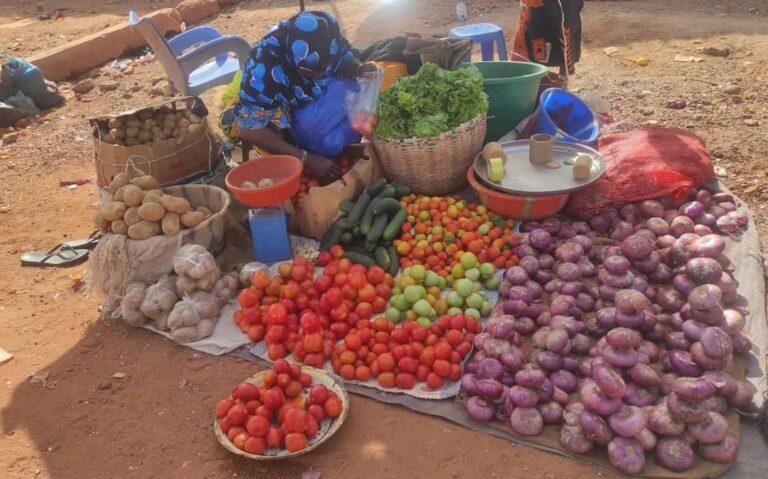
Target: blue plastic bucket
x: 566, y: 117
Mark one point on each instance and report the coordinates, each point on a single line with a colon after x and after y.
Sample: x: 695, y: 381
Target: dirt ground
x: 74, y: 420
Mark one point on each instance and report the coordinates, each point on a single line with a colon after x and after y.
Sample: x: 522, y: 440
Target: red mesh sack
x: 643, y: 164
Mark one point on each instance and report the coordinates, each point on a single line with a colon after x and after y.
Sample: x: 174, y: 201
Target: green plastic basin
x: 512, y: 88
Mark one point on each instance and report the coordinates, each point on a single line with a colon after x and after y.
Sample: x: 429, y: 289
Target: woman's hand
x: 323, y: 168
x: 367, y: 70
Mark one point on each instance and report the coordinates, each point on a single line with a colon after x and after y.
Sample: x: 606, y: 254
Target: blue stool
x: 485, y: 34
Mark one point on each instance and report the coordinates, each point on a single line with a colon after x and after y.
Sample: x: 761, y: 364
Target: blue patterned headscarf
x: 310, y: 40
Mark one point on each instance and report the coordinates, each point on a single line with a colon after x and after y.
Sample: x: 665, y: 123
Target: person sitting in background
x: 290, y: 67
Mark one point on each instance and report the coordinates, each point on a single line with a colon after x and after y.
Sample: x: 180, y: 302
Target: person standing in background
x: 549, y: 32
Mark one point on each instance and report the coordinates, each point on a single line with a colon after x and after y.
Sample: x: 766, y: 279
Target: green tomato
x: 422, y: 307
x: 472, y: 274
x: 414, y: 293
x: 431, y: 279
x: 492, y: 283
x: 393, y: 314
x: 452, y: 311
x: 454, y: 299
x: 463, y: 286
x: 396, y: 290
x: 486, y: 309
x: 441, y: 282
x: 468, y: 260
x: 424, y: 322
x: 407, y: 271
x: 475, y: 301
x: 483, y: 229
x: 448, y: 281
x: 400, y: 303
x: 457, y: 271
x: 487, y: 270
x: 418, y: 272
x: 472, y: 312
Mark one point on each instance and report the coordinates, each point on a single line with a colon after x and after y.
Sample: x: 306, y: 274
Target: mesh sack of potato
x: 159, y: 300
x: 170, y: 141
x: 119, y: 260
x: 194, y: 317
x: 196, y: 268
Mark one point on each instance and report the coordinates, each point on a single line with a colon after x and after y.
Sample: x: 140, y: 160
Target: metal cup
x: 541, y: 148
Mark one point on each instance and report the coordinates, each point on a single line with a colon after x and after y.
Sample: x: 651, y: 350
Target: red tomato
x: 277, y: 314
x: 408, y: 365
x: 442, y: 368
x: 222, y: 407
x: 323, y: 283
x: 444, y: 322
x: 356, y: 280
x: 345, y: 265
x: 400, y: 335
x: 274, y: 398
x: 376, y: 275
x: 257, y: 426
x: 334, y: 297
x: 239, y: 440
x: 245, y: 392
x: 364, y: 310
x: 323, y: 258
x: 332, y: 407
x: 458, y: 321
x: 305, y: 379
x: 237, y: 414
x: 422, y: 372
x: 282, y: 366
x: 252, y: 406
x: 269, y: 378
x: 255, y: 445
x: 234, y: 431
x: 310, y: 322
x: 405, y: 381
x: 455, y: 372
x: 419, y: 334
x: 319, y: 394
x: 295, y: 420
x: 315, y: 360
x: 265, y: 412
x: 383, y: 291
x: 313, y: 426
x: 443, y: 350
x: 340, y: 313
x: 225, y: 425
x: 274, y: 438
x: 293, y: 390
x: 386, y: 379
x: 295, y: 441
x: 313, y: 342
x: 256, y: 333
x: 316, y: 410
x: 299, y: 273
x: 379, y: 305
x: 434, y: 381
x: 427, y: 356
x: 386, y: 362
x: 339, y: 329
x: 247, y: 298
x: 367, y: 293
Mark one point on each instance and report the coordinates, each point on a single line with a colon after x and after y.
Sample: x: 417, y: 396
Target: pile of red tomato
x: 399, y: 357
x: 275, y: 414
x: 295, y: 314
x: 309, y: 181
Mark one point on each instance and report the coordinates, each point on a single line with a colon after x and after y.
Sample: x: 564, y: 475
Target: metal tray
x: 521, y: 177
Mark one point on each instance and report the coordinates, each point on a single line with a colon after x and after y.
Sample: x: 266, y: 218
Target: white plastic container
x: 461, y: 11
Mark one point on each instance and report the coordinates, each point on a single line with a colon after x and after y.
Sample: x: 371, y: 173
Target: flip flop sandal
x: 87, y: 243
x: 60, y: 255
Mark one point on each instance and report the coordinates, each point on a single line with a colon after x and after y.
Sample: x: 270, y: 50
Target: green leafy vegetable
x: 431, y: 102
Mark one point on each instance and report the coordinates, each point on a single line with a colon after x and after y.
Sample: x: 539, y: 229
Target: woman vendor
x: 290, y: 67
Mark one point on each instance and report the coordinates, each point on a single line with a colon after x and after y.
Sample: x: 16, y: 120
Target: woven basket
x: 433, y: 166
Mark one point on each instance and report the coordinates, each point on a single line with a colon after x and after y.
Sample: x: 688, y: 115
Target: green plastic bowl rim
x: 539, y: 72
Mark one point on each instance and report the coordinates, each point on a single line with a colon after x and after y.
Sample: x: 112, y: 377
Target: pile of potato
x: 150, y: 127
x: 140, y: 210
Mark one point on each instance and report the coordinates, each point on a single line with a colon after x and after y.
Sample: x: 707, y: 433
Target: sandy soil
x: 81, y: 422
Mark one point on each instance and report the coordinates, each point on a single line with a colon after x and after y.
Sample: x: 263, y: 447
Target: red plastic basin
x: 283, y: 170
x: 526, y: 208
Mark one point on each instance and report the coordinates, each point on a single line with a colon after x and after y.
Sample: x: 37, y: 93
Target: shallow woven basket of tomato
x: 281, y: 413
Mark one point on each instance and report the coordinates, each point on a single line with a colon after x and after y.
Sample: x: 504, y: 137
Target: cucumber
x: 386, y: 205
x: 395, y: 260
x: 347, y: 238
x: 375, y: 188
x: 370, y: 247
x: 356, y: 230
x: 332, y: 235
x: 359, y: 250
x: 387, y: 192
x: 359, y: 259
x: 345, y: 224
x: 346, y: 206
x: 377, y: 229
x: 394, y: 225
x: 400, y: 189
x: 367, y: 221
x: 357, y: 211
x: 382, y: 258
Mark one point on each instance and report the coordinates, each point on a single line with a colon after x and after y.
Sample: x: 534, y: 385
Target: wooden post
x: 301, y: 5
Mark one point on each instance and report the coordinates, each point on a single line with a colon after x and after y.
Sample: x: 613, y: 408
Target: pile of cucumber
x: 367, y: 227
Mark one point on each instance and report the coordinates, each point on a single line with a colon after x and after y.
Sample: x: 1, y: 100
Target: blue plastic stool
x: 485, y: 34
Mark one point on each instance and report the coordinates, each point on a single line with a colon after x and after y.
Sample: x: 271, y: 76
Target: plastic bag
x: 643, y: 164
x: 194, y: 317
x: 226, y: 288
x: 159, y: 300
x: 246, y: 272
x: 197, y: 263
x: 361, y: 103
x: 130, y: 306
x: 322, y: 126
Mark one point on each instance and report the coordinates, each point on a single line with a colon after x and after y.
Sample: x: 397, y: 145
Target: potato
x: 117, y: 133
x: 108, y: 139
x: 132, y: 195
x: 143, y: 230
x: 169, y: 123
x: 119, y: 227
x: 170, y: 224
x: 176, y: 133
x: 100, y: 222
x: 119, y: 143
x: 192, y: 219
x: 206, y: 303
x: 114, y: 210
x: 132, y: 131
x: 195, y: 119
x: 202, y: 209
x: 167, y: 132
x: 205, y: 328
x: 162, y: 323
x: 132, y: 142
x: 151, y: 197
x: 118, y: 181
x: 115, y: 123
x: 186, y: 334
x: 174, y: 204
x: 158, y: 138
x: 145, y: 136
x: 133, y: 122
x: 131, y: 216
x: 151, y: 212
x: 145, y: 115
x: 156, y: 129
x: 194, y: 128
x: 146, y: 182
x: 185, y: 285
x: 184, y: 123
x: 149, y: 123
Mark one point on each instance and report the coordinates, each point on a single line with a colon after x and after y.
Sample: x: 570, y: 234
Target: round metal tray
x: 328, y: 427
x: 521, y: 177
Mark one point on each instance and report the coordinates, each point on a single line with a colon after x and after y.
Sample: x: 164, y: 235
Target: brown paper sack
x: 173, y: 161
x: 312, y: 215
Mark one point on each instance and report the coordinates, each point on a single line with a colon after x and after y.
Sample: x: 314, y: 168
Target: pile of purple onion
x: 623, y: 331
